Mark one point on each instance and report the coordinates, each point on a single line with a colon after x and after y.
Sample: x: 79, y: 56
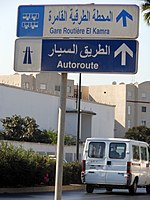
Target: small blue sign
x: 30, y: 21
x: 98, y: 56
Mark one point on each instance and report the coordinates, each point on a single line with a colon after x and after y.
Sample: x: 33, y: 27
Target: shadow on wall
x: 92, y: 99
x: 119, y: 131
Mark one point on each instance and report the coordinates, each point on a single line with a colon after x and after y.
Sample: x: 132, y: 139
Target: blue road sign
x: 93, y: 56
x: 30, y: 21
x: 78, y: 21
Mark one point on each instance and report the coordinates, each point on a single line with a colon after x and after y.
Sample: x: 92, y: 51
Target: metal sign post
x: 60, y: 139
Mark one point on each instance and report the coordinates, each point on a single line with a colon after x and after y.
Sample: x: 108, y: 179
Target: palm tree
x: 146, y: 10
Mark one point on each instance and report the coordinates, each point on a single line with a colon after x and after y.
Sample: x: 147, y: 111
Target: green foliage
x: 75, y: 172
x: 71, y: 173
x: 69, y: 140
x: 26, y: 129
x: 20, y: 129
x: 20, y: 168
x: 51, y: 135
x: 140, y: 133
x: 146, y: 10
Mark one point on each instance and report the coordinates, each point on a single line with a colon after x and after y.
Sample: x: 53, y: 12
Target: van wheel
x: 133, y: 188
x: 148, y: 189
x: 89, y: 188
x: 108, y: 189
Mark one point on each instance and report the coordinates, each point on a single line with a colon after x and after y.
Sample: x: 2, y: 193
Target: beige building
x: 43, y: 82
x: 19, y: 80
x: 132, y: 103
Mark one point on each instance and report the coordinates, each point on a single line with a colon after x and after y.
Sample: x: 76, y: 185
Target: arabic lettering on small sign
x: 30, y: 20
x: 76, y: 16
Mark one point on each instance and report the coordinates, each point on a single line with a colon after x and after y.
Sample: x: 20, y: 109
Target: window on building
x: 75, y: 93
x: 129, y: 110
x: 143, y: 108
x: 68, y: 89
x: 129, y: 94
x: 26, y: 85
x: 43, y: 86
x: 57, y: 87
x: 129, y: 123
x: 143, y: 123
x: 143, y: 95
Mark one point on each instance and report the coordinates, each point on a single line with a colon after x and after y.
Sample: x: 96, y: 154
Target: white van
x: 115, y: 163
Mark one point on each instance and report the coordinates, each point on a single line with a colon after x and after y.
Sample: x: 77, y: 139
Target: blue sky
x: 8, y: 26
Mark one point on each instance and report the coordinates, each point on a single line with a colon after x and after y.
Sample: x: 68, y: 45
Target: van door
x: 96, y: 163
x: 116, y: 167
x: 145, y: 179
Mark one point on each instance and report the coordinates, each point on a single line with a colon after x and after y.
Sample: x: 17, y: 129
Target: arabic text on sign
x: 84, y: 53
x: 79, y: 17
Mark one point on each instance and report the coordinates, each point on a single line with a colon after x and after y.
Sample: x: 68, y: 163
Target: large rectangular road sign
x: 80, y: 21
x: 93, y: 56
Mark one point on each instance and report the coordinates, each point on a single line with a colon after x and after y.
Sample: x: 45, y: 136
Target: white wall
x: 44, y: 109
x: 48, y: 149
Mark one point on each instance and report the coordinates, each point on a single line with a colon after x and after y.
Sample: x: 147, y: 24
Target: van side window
x: 135, y: 151
x: 149, y: 153
x: 144, y: 155
x: 117, y: 150
x: 96, y: 149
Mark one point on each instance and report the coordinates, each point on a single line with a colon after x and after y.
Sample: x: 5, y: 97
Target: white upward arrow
x: 123, y: 49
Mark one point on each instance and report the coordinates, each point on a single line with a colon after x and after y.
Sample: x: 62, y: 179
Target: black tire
x: 108, y: 189
x: 89, y: 188
x: 148, y: 189
x: 133, y: 187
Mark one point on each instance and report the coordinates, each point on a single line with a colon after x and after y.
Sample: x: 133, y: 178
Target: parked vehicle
x: 115, y: 163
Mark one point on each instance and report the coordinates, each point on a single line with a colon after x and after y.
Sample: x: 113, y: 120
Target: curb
x: 41, y: 189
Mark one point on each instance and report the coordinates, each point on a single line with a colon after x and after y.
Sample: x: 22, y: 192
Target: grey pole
x: 60, y: 139
x: 78, y: 121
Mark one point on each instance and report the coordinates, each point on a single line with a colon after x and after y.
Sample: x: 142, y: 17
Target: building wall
x: 48, y: 149
x: 132, y: 103
x: 85, y: 93
x: 44, y: 109
x: 144, y: 103
x: 50, y: 80
x: 14, y: 80
x: 131, y: 106
x: 46, y: 82
x: 112, y: 95
x: 28, y: 82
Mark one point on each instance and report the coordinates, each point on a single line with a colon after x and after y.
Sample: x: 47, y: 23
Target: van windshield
x: 117, y: 150
x: 96, y: 150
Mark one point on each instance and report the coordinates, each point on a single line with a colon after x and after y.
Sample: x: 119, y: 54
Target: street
x: 80, y: 195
